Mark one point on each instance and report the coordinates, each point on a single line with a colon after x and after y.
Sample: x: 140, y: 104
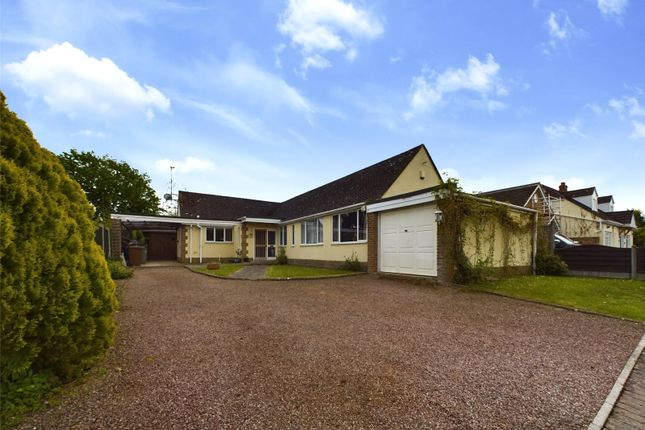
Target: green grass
x: 618, y: 297
x: 224, y: 269
x: 291, y: 271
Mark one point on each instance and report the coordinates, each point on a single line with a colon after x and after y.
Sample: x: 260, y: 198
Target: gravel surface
x: 359, y: 352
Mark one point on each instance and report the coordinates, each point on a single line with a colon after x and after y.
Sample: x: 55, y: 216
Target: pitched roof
x: 515, y: 195
x: 623, y: 217
x: 208, y: 206
x: 580, y: 192
x: 367, y: 184
x: 605, y: 199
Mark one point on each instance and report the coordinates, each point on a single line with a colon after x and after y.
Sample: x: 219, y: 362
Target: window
x: 283, y: 235
x: 608, y: 238
x: 311, y: 232
x: 350, y: 227
x: 293, y: 234
x: 218, y: 234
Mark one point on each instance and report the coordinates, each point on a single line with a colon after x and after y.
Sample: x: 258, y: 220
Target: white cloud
x: 251, y: 129
x: 316, y: 61
x: 627, y: 106
x: 561, y: 30
x: 246, y: 77
x: 318, y: 26
x: 74, y: 83
x: 557, y: 130
x: 428, y: 90
x: 639, y: 130
x: 612, y: 8
x: 187, y: 165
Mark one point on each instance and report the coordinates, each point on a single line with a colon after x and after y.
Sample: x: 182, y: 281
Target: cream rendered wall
x: 519, y: 244
x: 410, y: 179
x: 327, y: 251
x: 582, y: 224
x: 209, y: 249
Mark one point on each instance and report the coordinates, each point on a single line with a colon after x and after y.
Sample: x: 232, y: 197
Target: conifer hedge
x: 57, y: 297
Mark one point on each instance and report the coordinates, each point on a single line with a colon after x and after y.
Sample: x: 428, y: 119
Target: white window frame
x: 608, y: 238
x: 283, y: 235
x: 293, y: 235
x: 319, y: 232
x: 335, y: 239
x: 215, y: 235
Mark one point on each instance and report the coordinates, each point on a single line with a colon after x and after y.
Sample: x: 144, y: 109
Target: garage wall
x: 518, y: 246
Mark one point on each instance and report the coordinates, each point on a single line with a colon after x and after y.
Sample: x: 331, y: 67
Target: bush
x: 57, y: 298
x: 550, y: 264
x: 282, y: 257
x: 118, y: 270
x: 352, y: 263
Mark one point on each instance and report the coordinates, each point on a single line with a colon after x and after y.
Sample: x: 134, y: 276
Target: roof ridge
x: 511, y: 188
x: 229, y: 197
x: 394, y: 157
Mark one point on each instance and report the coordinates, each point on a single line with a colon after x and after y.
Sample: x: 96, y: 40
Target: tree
x: 57, y: 298
x: 111, y: 186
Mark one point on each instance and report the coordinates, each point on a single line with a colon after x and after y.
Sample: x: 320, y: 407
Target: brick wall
x: 445, y: 261
x: 372, y: 242
x: 115, y: 238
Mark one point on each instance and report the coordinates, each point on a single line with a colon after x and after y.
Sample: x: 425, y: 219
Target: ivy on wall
x: 488, y: 221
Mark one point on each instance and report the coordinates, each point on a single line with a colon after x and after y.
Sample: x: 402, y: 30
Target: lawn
x: 224, y: 269
x: 291, y: 271
x: 618, y: 297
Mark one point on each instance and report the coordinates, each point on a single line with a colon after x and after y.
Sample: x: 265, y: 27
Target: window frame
x: 320, y: 229
x: 283, y: 235
x: 336, y: 231
x: 214, y: 230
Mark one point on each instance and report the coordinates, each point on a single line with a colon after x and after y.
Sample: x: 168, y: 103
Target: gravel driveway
x: 359, y: 352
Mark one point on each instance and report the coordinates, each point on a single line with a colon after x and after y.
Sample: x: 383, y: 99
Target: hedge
x: 57, y: 297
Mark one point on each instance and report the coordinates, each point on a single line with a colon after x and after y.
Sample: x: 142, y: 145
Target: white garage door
x: 408, y: 241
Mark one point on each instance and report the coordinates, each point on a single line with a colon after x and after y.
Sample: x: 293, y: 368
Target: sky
x: 267, y: 99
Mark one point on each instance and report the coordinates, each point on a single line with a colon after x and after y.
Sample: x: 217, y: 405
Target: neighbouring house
x: 385, y: 216
x: 578, y: 214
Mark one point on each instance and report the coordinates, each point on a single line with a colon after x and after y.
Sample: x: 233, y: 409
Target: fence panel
x: 597, y: 258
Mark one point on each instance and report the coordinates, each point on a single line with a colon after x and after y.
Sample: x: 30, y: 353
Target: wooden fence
x: 604, y: 261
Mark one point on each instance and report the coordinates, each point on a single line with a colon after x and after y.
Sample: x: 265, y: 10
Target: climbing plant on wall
x: 468, y: 220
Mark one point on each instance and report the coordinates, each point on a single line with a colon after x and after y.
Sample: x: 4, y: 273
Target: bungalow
x: 578, y: 214
x: 385, y: 216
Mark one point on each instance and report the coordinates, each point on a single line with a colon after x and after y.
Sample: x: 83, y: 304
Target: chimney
x: 563, y: 187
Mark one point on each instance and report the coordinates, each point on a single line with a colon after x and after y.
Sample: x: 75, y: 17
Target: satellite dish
x: 167, y: 196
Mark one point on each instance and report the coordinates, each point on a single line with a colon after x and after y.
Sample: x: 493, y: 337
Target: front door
x: 260, y: 243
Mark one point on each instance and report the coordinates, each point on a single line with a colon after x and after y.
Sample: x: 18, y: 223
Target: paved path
x: 251, y: 271
x: 629, y: 411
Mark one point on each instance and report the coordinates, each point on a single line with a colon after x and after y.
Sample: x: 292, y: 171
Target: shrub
x: 57, y: 298
x: 282, y: 257
x: 118, y: 270
x: 352, y: 263
x: 550, y: 264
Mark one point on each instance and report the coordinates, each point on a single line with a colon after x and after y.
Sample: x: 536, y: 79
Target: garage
x: 408, y: 240
x: 162, y: 245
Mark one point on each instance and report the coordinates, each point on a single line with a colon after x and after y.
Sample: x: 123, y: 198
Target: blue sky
x: 268, y: 99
